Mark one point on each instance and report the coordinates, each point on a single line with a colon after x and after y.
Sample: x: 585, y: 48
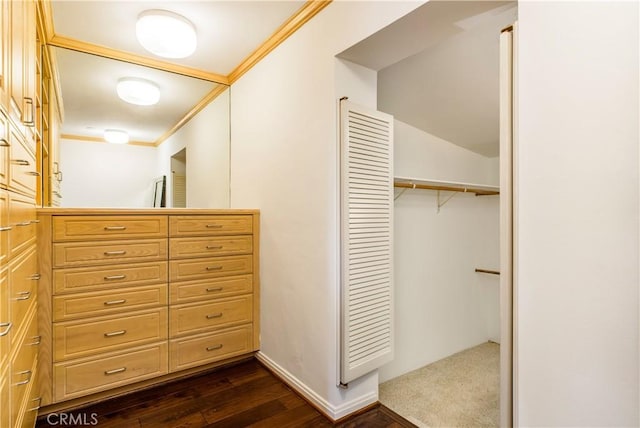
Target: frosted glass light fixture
x: 138, y: 91
x: 166, y: 34
x: 116, y: 136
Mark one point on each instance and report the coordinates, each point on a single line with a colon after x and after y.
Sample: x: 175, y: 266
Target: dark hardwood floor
x: 241, y: 395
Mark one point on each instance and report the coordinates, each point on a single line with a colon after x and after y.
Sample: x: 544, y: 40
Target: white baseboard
x: 332, y: 412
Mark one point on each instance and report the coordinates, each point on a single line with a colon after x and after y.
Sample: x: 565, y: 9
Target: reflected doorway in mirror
x: 160, y: 192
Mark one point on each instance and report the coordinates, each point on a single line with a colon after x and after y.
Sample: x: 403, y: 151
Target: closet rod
x: 447, y: 188
x: 492, y: 272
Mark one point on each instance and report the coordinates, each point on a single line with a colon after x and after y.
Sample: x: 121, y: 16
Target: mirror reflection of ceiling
x: 88, y: 84
x: 228, y: 31
x: 438, y: 69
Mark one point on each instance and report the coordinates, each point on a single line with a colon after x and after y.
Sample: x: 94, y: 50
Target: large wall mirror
x: 193, y: 154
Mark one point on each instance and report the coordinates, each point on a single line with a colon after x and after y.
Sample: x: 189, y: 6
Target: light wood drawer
x: 84, y: 228
x: 23, y: 286
x: 202, y: 225
x: 82, y: 377
x: 23, y: 366
x: 207, y: 348
x: 6, y: 326
x: 212, y: 267
x: 5, y: 410
x: 22, y: 163
x: 210, y: 246
x: 67, y: 254
x: 90, y: 279
x: 195, y: 318
x: 4, y: 154
x: 5, y: 227
x: 73, y: 339
x: 30, y: 407
x: 22, y: 219
x: 71, y: 306
x: 204, y: 289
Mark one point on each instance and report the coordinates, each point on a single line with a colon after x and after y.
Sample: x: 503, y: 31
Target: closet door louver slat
x: 366, y: 243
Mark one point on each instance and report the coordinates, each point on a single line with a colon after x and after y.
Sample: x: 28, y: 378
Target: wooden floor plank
x: 242, y: 395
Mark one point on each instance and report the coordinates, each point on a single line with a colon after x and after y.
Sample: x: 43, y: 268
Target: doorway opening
x: 179, y: 179
x: 440, y: 79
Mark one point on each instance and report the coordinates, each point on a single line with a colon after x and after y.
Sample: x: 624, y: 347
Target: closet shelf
x: 451, y: 186
x: 492, y: 272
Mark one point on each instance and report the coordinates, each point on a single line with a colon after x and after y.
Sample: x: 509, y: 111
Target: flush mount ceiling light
x: 166, y: 34
x: 116, y: 136
x: 138, y: 91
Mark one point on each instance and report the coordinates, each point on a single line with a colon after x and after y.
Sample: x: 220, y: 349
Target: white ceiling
x: 438, y: 69
x: 228, y: 31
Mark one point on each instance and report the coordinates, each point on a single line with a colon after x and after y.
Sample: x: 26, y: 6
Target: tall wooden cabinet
x: 19, y: 177
x: 131, y: 297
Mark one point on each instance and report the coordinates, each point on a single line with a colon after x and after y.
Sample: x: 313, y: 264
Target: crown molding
x: 195, y: 110
x: 93, y: 139
x: 301, y: 17
x: 80, y: 46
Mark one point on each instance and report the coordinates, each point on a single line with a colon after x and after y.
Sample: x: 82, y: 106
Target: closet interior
x: 440, y: 81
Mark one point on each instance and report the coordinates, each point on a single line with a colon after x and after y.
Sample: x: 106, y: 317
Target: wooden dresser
x: 134, y: 297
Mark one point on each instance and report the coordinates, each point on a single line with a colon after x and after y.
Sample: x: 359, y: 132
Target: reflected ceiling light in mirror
x: 116, y: 136
x: 138, y: 91
x: 166, y: 34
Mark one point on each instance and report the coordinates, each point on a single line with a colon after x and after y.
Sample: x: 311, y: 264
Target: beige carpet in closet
x: 459, y: 391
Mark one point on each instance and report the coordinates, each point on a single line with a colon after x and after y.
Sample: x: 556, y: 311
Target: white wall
x: 284, y: 162
x: 107, y: 175
x: 206, y: 137
x: 441, y: 305
x: 577, y: 214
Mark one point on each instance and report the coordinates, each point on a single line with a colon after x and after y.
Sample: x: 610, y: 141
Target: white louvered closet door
x: 366, y: 244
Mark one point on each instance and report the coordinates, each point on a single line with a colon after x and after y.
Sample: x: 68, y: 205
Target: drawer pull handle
x: 29, y: 107
x: 22, y: 162
x: 115, y: 302
x: 115, y: 227
x: 114, y: 371
x: 214, y: 267
x: 209, y: 290
x: 214, y: 247
x: 34, y: 173
x: 4, y: 143
x: 24, y: 223
x: 115, y: 253
x: 24, y: 295
x: 8, y: 325
x: 29, y: 373
x: 115, y: 333
x: 33, y: 409
x: 214, y: 226
x: 5, y: 228
x: 35, y: 277
x: 115, y: 277
x: 214, y: 348
x: 212, y: 316
x: 37, y: 340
